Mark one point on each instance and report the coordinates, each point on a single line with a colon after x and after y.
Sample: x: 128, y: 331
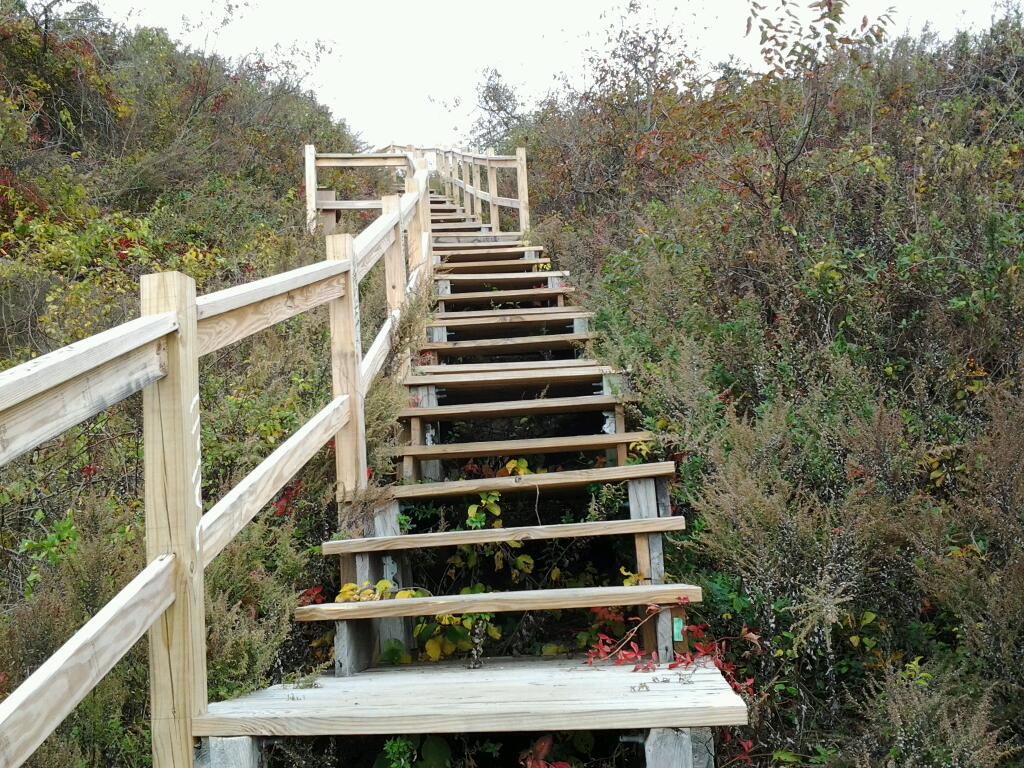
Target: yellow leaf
x: 433, y: 649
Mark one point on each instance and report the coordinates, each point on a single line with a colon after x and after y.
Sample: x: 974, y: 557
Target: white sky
x: 389, y: 75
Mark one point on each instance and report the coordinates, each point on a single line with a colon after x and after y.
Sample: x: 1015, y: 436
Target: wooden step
x: 533, y: 376
x: 524, y: 693
x: 446, y: 368
x: 465, y: 254
x: 529, y: 447
x: 498, y: 313
x: 527, y: 265
x: 479, y: 237
x: 508, y: 346
x: 459, y: 227
x: 471, y: 247
x: 500, y: 409
x: 509, y: 317
x: 576, y: 478
x: 504, y: 297
x: 500, y: 602
x: 488, y: 535
x: 502, y: 277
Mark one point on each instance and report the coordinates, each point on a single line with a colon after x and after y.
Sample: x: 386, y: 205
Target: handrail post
x: 477, y: 202
x: 394, y: 258
x: 523, y: 190
x: 492, y: 189
x: 467, y: 199
x: 346, y: 354
x: 309, y: 157
x: 173, y: 501
x: 426, y: 259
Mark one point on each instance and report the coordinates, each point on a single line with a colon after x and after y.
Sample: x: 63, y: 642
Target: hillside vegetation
x: 814, y: 278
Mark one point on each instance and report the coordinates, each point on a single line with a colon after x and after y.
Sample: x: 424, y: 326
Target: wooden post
x: 309, y: 157
x: 426, y: 249
x: 524, y: 190
x: 230, y: 752
x: 394, y: 258
x: 346, y: 353
x: 494, y: 214
x: 468, y: 204
x: 477, y: 204
x: 170, y: 417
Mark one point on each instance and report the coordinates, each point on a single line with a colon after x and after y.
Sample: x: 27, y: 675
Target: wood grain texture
x: 505, y: 296
x: 51, y: 412
x: 531, y: 446
x: 522, y: 265
x: 522, y: 533
x: 533, y: 483
x: 505, y: 408
x: 514, y: 345
x: 37, y: 706
x: 505, y: 695
x: 530, y: 365
x: 213, y: 304
x: 243, y: 502
x: 346, y: 378
x: 499, y: 602
x: 32, y: 378
x: 220, y: 330
x: 173, y: 500
x: 499, y: 378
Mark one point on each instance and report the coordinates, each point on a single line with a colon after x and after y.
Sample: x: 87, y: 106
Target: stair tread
x: 515, y: 343
x: 500, y: 276
x: 502, y: 408
x: 498, y: 602
x: 488, y: 535
x: 447, y: 266
x: 534, y: 445
x: 538, y: 375
x: 526, y: 294
x: 527, y: 693
x: 445, y: 368
x: 499, y: 313
x: 553, y: 315
x: 534, y: 483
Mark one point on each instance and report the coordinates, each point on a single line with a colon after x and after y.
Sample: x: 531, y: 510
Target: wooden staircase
x: 505, y: 341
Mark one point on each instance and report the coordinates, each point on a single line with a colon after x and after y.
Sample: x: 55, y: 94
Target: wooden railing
x: 159, y: 354
x: 462, y: 175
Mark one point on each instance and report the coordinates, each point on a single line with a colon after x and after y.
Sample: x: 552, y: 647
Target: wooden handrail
x: 228, y: 516
x: 158, y: 354
x: 37, y: 706
x: 44, y: 397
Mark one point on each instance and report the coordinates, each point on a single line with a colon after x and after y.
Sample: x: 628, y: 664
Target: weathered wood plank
x: 213, y: 304
x: 498, y: 602
x: 32, y: 378
x: 37, y: 706
x: 37, y: 419
x: 533, y: 483
x: 218, y: 331
x: 525, y: 694
x: 527, y: 447
x: 522, y: 533
x: 500, y: 409
x: 173, y: 500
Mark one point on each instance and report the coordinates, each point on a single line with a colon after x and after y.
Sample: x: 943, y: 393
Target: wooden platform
x: 505, y: 695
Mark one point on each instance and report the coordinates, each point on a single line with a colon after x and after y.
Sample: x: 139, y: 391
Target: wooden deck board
x: 532, y: 446
x: 505, y: 695
x: 518, y: 533
x: 505, y: 408
x: 576, y: 478
x: 503, y: 602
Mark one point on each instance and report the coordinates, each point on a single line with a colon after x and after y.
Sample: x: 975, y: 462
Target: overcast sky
x: 389, y: 74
